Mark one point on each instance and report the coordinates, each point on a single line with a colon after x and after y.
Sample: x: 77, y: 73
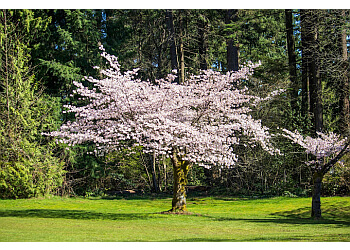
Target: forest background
x: 44, y: 50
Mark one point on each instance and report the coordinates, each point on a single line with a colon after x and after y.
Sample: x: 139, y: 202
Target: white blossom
x: 203, y: 116
x: 323, y: 146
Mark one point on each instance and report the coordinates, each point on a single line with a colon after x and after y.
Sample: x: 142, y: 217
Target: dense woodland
x: 44, y: 51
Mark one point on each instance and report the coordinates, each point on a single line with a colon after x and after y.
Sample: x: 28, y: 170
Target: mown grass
x: 139, y: 219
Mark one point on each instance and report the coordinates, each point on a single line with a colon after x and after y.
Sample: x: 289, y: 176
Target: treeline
x: 44, y: 51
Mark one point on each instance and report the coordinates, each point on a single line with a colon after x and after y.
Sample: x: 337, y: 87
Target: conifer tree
x: 27, y: 167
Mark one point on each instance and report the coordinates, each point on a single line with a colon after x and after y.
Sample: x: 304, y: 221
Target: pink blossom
x: 203, y: 116
x: 323, y: 146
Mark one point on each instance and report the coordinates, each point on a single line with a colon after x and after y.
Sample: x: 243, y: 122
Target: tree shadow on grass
x: 279, y: 238
x: 127, y: 196
x: 332, y: 214
x: 295, y: 221
x: 74, y: 214
x: 202, y: 240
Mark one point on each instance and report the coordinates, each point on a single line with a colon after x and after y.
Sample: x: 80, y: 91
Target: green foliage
x: 68, y: 48
x: 289, y: 194
x: 196, y: 176
x: 15, y: 181
x: 27, y: 178
x: 260, y: 35
x: 337, y: 181
x: 331, y: 108
x: 98, y: 175
x: 27, y: 167
x: 62, y: 46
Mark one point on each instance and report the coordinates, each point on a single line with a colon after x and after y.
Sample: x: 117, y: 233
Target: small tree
x: 326, y: 150
x: 195, y: 122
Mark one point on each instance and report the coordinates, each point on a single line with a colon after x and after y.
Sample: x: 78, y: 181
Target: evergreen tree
x: 68, y: 49
x: 27, y: 167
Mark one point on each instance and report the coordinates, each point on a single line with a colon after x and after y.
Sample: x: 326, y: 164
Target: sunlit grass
x: 139, y: 219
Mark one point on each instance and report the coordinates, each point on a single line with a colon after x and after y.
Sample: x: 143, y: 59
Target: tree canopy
x: 188, y: 94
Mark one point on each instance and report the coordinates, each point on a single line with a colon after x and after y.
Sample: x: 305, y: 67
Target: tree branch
x: 330, y: 164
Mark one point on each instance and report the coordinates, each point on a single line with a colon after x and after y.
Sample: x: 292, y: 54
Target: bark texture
x: 171, y: 31
x: 292, y: 60
x: 316, y: 196
x: 232, y: 48
x: 311, y: 66
x: 203, y: 42
x: 306, y: 58
x: 182, y: 53
x: 180, y: 180
x: 345, y: 103
x: 154, y: 177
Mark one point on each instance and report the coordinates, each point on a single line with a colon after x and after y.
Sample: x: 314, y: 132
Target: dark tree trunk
x: 292, y: 60
x: 180, y: 169
x: 203, y: 42
x: 317, y: 181
x: 153, y: 167
x: 316, y: 96
x: 160, y: 66
x: 315, y: 83
x: 311, y: 65
x: 345, y: 121
x: 232, y: 48
x: 316, y: 196
x: 305, y: 61
x: 171, y: 32
x: 181, y: 48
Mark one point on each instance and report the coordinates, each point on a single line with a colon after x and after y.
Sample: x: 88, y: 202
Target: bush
x: 337, y: 181
x: 32, y: 177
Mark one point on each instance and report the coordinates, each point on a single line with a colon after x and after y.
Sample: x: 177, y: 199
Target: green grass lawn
x: 139, y: 219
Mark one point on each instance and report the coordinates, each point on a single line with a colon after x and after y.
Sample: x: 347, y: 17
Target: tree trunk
x: 292, y: 60
x: 232, y: 49
x: 315, y: 82
x: 182, y: 53
x: 345, y: 119
x: 311, y: 67
x: 316, y: 196
x: 203, y: 42
x: 305, y: 60
x: 173, y: 52
x: 180, y: 169
x: 317, y: 181
x: 153, y: 166
x: 165, y: 175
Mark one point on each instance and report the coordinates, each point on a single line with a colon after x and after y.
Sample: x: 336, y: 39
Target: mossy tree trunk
x: 180, y: 169
x: 316, y: 196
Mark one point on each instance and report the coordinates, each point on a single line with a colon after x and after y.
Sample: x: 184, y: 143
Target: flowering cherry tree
x: 326, y: 149
x: 195, y: 122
